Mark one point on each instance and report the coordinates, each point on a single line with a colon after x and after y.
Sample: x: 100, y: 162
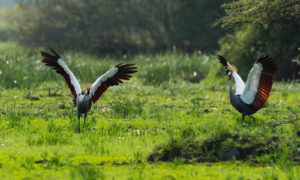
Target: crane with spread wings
x: 253, y: 96
x: 84, y: 100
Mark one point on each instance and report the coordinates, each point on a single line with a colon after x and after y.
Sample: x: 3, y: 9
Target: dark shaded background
x: 240, y: 30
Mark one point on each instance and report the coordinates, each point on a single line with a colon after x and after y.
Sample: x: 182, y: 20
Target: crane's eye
x: 228, y: 72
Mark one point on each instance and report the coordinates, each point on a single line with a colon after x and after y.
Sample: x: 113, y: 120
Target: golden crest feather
x: 88, y: 86
x: 232, y: 68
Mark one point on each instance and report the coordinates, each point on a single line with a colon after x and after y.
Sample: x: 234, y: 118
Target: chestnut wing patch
x: 123, y: 73
x: 266, y: 81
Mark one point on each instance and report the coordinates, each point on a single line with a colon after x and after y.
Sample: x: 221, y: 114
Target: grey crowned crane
x: 253, y: 96
x: 84, y: 100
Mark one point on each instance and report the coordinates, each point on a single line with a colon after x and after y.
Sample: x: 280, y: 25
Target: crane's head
x: 229, y: 74
x: 230, y: 70
x: 88, y: 87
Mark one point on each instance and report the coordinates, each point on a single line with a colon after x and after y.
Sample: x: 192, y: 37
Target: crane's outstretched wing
x: 223, y: 61
x: 239, y: 83
x: 259, y: 82
x: 61, y: 68
x: 112, y: 77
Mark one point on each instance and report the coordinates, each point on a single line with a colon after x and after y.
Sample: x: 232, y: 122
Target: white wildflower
x: 137, y: 132
x: 195, y: 74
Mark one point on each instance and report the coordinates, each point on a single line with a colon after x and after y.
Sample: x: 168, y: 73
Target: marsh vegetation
x: 173, y: 119
x: 162, y: 124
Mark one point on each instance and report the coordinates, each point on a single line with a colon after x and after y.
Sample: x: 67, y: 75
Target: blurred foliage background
x: 241, y: 30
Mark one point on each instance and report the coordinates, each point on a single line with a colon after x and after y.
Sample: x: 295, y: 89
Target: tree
x: 115, y: 26
x: 264, y: 12
x: 119, y: 26
x: 262, y: 27
x: 192, y: 24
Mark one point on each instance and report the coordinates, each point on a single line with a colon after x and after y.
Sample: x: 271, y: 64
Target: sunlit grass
x: 38, y: 136
x: 125, y: 127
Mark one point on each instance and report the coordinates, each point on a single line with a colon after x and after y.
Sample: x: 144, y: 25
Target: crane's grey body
x: 83, y: 105
x: 239, y: 105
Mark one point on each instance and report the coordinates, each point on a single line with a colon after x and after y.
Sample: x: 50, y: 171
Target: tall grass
x: 21, y: 67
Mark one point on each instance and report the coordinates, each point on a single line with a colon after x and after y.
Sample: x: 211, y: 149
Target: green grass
x: 38, y: 138
x: 21, y: 67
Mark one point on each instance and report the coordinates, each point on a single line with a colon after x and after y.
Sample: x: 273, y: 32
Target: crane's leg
x: 85, y: 115
x: 252, y: 118
x: 78, y: 117
x: 243, y: 118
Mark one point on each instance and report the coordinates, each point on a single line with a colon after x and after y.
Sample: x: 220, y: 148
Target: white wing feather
x: 252, y: 83
x: 239, y: 83
x: 73, y: 79
x: 110, y: 73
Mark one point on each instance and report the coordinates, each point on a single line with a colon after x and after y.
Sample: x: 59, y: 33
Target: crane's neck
x: 231, y: 93
x: 83, y: 98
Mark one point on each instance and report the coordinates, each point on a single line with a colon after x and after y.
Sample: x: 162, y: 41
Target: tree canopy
x: 263, y: 27
x: 119, y: 26
x: 263, y: 12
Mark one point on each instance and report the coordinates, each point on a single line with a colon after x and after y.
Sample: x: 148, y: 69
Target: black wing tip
x: 268, y: 63
x: 124, y: 73
x: 43, y: 54
x: 53, y: 54
x: 118, y: 65
x: 131, y: 68
x: 222, y: 60
x: 124, y: 65
x: 264, y: 58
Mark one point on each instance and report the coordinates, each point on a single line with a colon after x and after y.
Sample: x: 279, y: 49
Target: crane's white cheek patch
x: 252, y: 84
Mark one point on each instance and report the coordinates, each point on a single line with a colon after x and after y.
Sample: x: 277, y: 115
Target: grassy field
x: 172, y: 121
